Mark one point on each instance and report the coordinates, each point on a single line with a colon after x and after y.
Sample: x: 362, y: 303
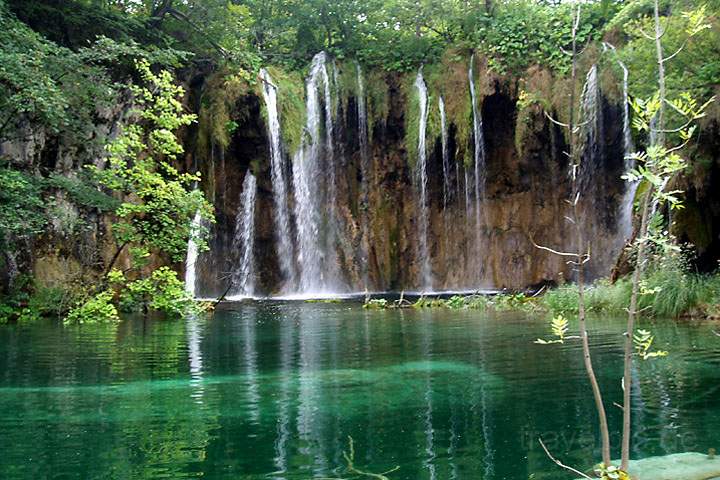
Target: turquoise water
x: 273, y: 390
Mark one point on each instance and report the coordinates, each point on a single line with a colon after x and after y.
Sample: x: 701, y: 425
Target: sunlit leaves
x: 696, y: 21
x: 643, y: 340
x: 610, y: 472
x: 559, y: 327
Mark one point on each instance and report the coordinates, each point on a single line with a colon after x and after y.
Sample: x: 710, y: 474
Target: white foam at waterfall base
x: 354, y: 295
x: 281, y: 210
x: 421, y: 179
x: 192, y: 256
x: 243, y: 278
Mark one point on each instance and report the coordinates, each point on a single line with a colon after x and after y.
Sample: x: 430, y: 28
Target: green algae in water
x: 272, y: 390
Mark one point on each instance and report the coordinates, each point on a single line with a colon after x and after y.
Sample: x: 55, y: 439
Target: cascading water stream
x: 478, y: 164
x: 589, y: 123
x: 447, y: 188
x: 285, y: 252
x: 589, y: 116
x: 365, y: 173
x: 421, y: 180
x: 244, y: 239
x: 315, y: 192
x: 331, y: 220
x: 192, y: 256
x: 467, y: 197
x: 625, y: 224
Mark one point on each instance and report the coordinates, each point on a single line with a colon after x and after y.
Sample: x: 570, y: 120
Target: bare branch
x: 556, y: 122
x: 682, y: 47
x: 678, y: 147
x: 556, y: 252
x: 649, y: 37
x: 560, y: 464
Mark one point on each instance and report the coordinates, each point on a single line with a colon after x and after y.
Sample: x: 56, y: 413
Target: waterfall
x: 315, y: 191
x: 626, y: 206
x: 589, y: 125
x: 467, y: 197
x: 445, y: 153
x: 365, y: 173
x: 244, y: 240
x: 479, y: 161
x: 192, y: 256
x: 277, y: 171
x: 590, y: 98
x: 421, y: 179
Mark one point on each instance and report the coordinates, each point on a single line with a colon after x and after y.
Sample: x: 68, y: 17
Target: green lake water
x: 272, y: 390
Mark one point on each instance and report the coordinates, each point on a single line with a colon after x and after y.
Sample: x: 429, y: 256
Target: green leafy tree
x: 159, y: 201
x: 655, y: 167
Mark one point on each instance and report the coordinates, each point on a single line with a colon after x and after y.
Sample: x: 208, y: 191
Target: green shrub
x: 162, y: 291
x: 511, y: 301
x: 22, y: 208
x: 561, y: 300
x: 376, y: 304
x: 98, y: 309
x: 83, y: 192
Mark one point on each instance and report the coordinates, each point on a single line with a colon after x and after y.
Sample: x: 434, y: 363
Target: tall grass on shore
x: 669, y: 289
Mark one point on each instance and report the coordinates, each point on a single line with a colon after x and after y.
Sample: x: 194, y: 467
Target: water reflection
x: 250, y: 362
x: 273, y: 391
x: 312, y: 431
x: 194, y: 340
x: 283, y: 428
x: 429, y: 431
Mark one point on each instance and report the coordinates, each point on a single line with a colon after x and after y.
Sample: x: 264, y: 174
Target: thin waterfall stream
x: 363, y: 141
x: 192, y: 256
x: 590, y: 138
x: 421, y: 181
x: 479, y: 167
x: 626, y: 213
x: 244, y: 240
x: 447, y: 186
x: 281, y: 217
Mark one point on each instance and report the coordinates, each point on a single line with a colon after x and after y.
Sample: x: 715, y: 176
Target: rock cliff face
x: 376, y: 244
x: 524, y: 200
x: 77, y: 241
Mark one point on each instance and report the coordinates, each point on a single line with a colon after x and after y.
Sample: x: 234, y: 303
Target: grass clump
x: 672, y: 290
x: 601, y: 297
x: 218, y: 117
x: 377, y: 99
x: 412, y: 119
x: 669, y: 289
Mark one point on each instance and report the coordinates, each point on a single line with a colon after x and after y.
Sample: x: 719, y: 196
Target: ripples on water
x: 273, y: 390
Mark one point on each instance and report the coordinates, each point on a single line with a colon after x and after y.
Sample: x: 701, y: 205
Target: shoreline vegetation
x: 667, y: 293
